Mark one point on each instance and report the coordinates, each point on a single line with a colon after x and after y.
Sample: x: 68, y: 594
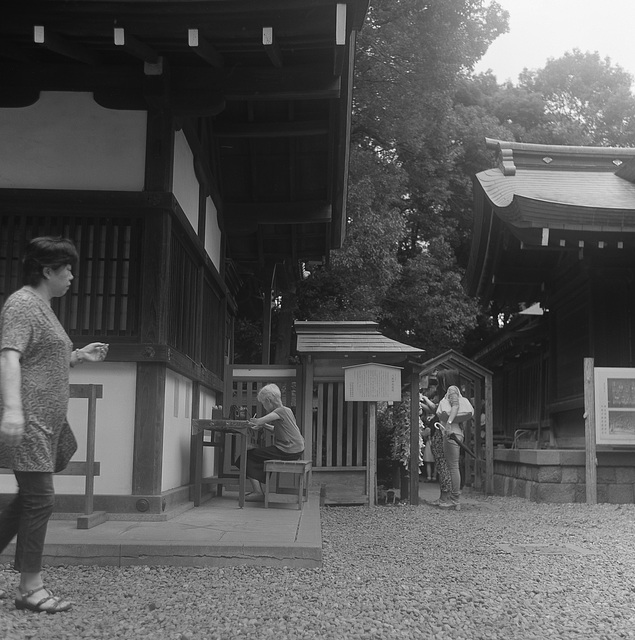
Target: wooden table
x: 241, y: 428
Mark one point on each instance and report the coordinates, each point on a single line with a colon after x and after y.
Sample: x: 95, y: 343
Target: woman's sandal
x: 55, y: 603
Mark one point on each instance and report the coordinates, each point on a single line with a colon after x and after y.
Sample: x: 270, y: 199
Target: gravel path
x: 501, y: 568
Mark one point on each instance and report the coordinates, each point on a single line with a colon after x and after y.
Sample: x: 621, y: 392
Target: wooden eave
x: 541, y: 202
x: 271, y: 79
x: 524, y: 335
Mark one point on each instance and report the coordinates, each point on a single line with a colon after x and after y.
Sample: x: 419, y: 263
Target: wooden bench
x: 299, y: 468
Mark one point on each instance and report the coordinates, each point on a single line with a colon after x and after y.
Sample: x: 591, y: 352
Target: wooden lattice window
x: 183, y: 299
x: 213, y: 329
x: 104, y: 295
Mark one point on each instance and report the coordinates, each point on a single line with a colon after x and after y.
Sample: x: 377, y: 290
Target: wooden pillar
x: 478, y: 463
x: 266, y: 316
x: 489, y: 437
x: 371, y: 457
x: 589, y: 432
x: 196, y: 413
x: 414, y: 438
x: 150, y: 392
x: 307, y: 407
x: 148, y: 437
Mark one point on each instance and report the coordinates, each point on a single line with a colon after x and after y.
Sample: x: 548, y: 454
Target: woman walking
x: 35, y: 355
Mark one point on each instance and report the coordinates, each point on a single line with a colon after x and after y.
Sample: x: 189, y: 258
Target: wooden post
x: 371, y: 466
x: 414, y: 439
x: 589, y: 432
x: 489, y: 437
x: 90, y: 449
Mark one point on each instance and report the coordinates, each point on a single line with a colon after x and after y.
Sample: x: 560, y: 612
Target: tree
x: 428, y: 307
x: 586, y: 101
x: 408, y: 200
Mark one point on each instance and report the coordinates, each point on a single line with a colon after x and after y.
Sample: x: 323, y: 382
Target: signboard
x: 614, y: 405
x: 372, y: 383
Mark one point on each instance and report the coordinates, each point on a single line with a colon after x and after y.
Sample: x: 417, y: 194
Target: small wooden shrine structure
x: 339, y: 444
x: 476, y: 383
x: 554, y: 234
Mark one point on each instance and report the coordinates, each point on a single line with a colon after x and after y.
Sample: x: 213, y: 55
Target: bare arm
x: 453, y: 397
x: 12, y: 425
x: 93, y: 352
x: 263, y: 422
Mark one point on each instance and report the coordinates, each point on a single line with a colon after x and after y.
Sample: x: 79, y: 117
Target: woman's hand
x: 93, y: 352
x: 12, y: 427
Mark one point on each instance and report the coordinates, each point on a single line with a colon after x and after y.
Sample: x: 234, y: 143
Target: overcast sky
x: 542, y: 29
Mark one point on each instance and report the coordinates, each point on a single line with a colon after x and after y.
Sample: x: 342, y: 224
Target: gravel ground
x: 501, y: 568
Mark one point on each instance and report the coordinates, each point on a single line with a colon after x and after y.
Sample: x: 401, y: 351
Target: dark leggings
x: 256, y: 459
x: 27, y: 516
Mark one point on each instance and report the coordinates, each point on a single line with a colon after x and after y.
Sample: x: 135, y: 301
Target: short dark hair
x: 46, y: 251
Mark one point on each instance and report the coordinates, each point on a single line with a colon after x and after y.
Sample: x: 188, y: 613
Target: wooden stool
x: 300, y: 468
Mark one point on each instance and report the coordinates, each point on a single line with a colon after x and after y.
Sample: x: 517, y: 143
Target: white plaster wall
x: 185, y: 186
x: 114, y: 431
x: 207, y: 401
x: 212, y: 233
x: 176, y: 431
x: 67, y: 141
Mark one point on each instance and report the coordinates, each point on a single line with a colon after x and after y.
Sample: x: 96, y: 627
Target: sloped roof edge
x: 455, y: 358
x: 347, y: 337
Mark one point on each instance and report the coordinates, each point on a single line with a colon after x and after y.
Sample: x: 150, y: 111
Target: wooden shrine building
x: 187, y: 147
x: 554, y: 235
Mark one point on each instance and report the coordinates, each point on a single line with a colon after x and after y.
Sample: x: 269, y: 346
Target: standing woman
x: 436, y: 444
x: 35, y: 355
x: 449, y: 388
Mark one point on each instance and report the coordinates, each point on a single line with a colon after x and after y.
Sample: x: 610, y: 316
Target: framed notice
x: 614, y: 405
x: 372, y: 383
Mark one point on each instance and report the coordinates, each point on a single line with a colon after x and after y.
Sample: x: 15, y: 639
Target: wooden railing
x: 89, y: 468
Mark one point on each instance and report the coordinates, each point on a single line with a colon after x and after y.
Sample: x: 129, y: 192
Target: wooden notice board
x: 372, y: 382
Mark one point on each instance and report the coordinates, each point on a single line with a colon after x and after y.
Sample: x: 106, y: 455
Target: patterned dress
x: 445, y: 480
x: 29, y: 325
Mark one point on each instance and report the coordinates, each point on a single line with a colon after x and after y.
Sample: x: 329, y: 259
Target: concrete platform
x: 217, y: 534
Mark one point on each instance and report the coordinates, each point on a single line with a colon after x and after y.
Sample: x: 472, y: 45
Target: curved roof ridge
x: 497, y: 145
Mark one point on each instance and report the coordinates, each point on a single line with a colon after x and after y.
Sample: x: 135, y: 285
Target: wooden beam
x: 238, y: 214
x: 134, y: 47
x: 14, y: 52
x: 204, y: 49
x: 303, y: 82
x: 340, y: 39
x: 57, y: 44
x: 271, y: 47
x: 270, y: 129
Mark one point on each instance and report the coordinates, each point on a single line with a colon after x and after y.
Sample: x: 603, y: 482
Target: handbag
x: 66, y: 447
x: 466, y: 410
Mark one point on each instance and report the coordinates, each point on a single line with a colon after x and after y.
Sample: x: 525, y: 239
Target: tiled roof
x: 601, y: 190
x: 347, y: 337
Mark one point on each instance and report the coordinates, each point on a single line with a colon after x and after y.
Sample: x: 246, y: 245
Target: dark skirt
x: 256, y: 459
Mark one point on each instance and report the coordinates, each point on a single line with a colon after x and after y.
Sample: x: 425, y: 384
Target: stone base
x: 559, y: 475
